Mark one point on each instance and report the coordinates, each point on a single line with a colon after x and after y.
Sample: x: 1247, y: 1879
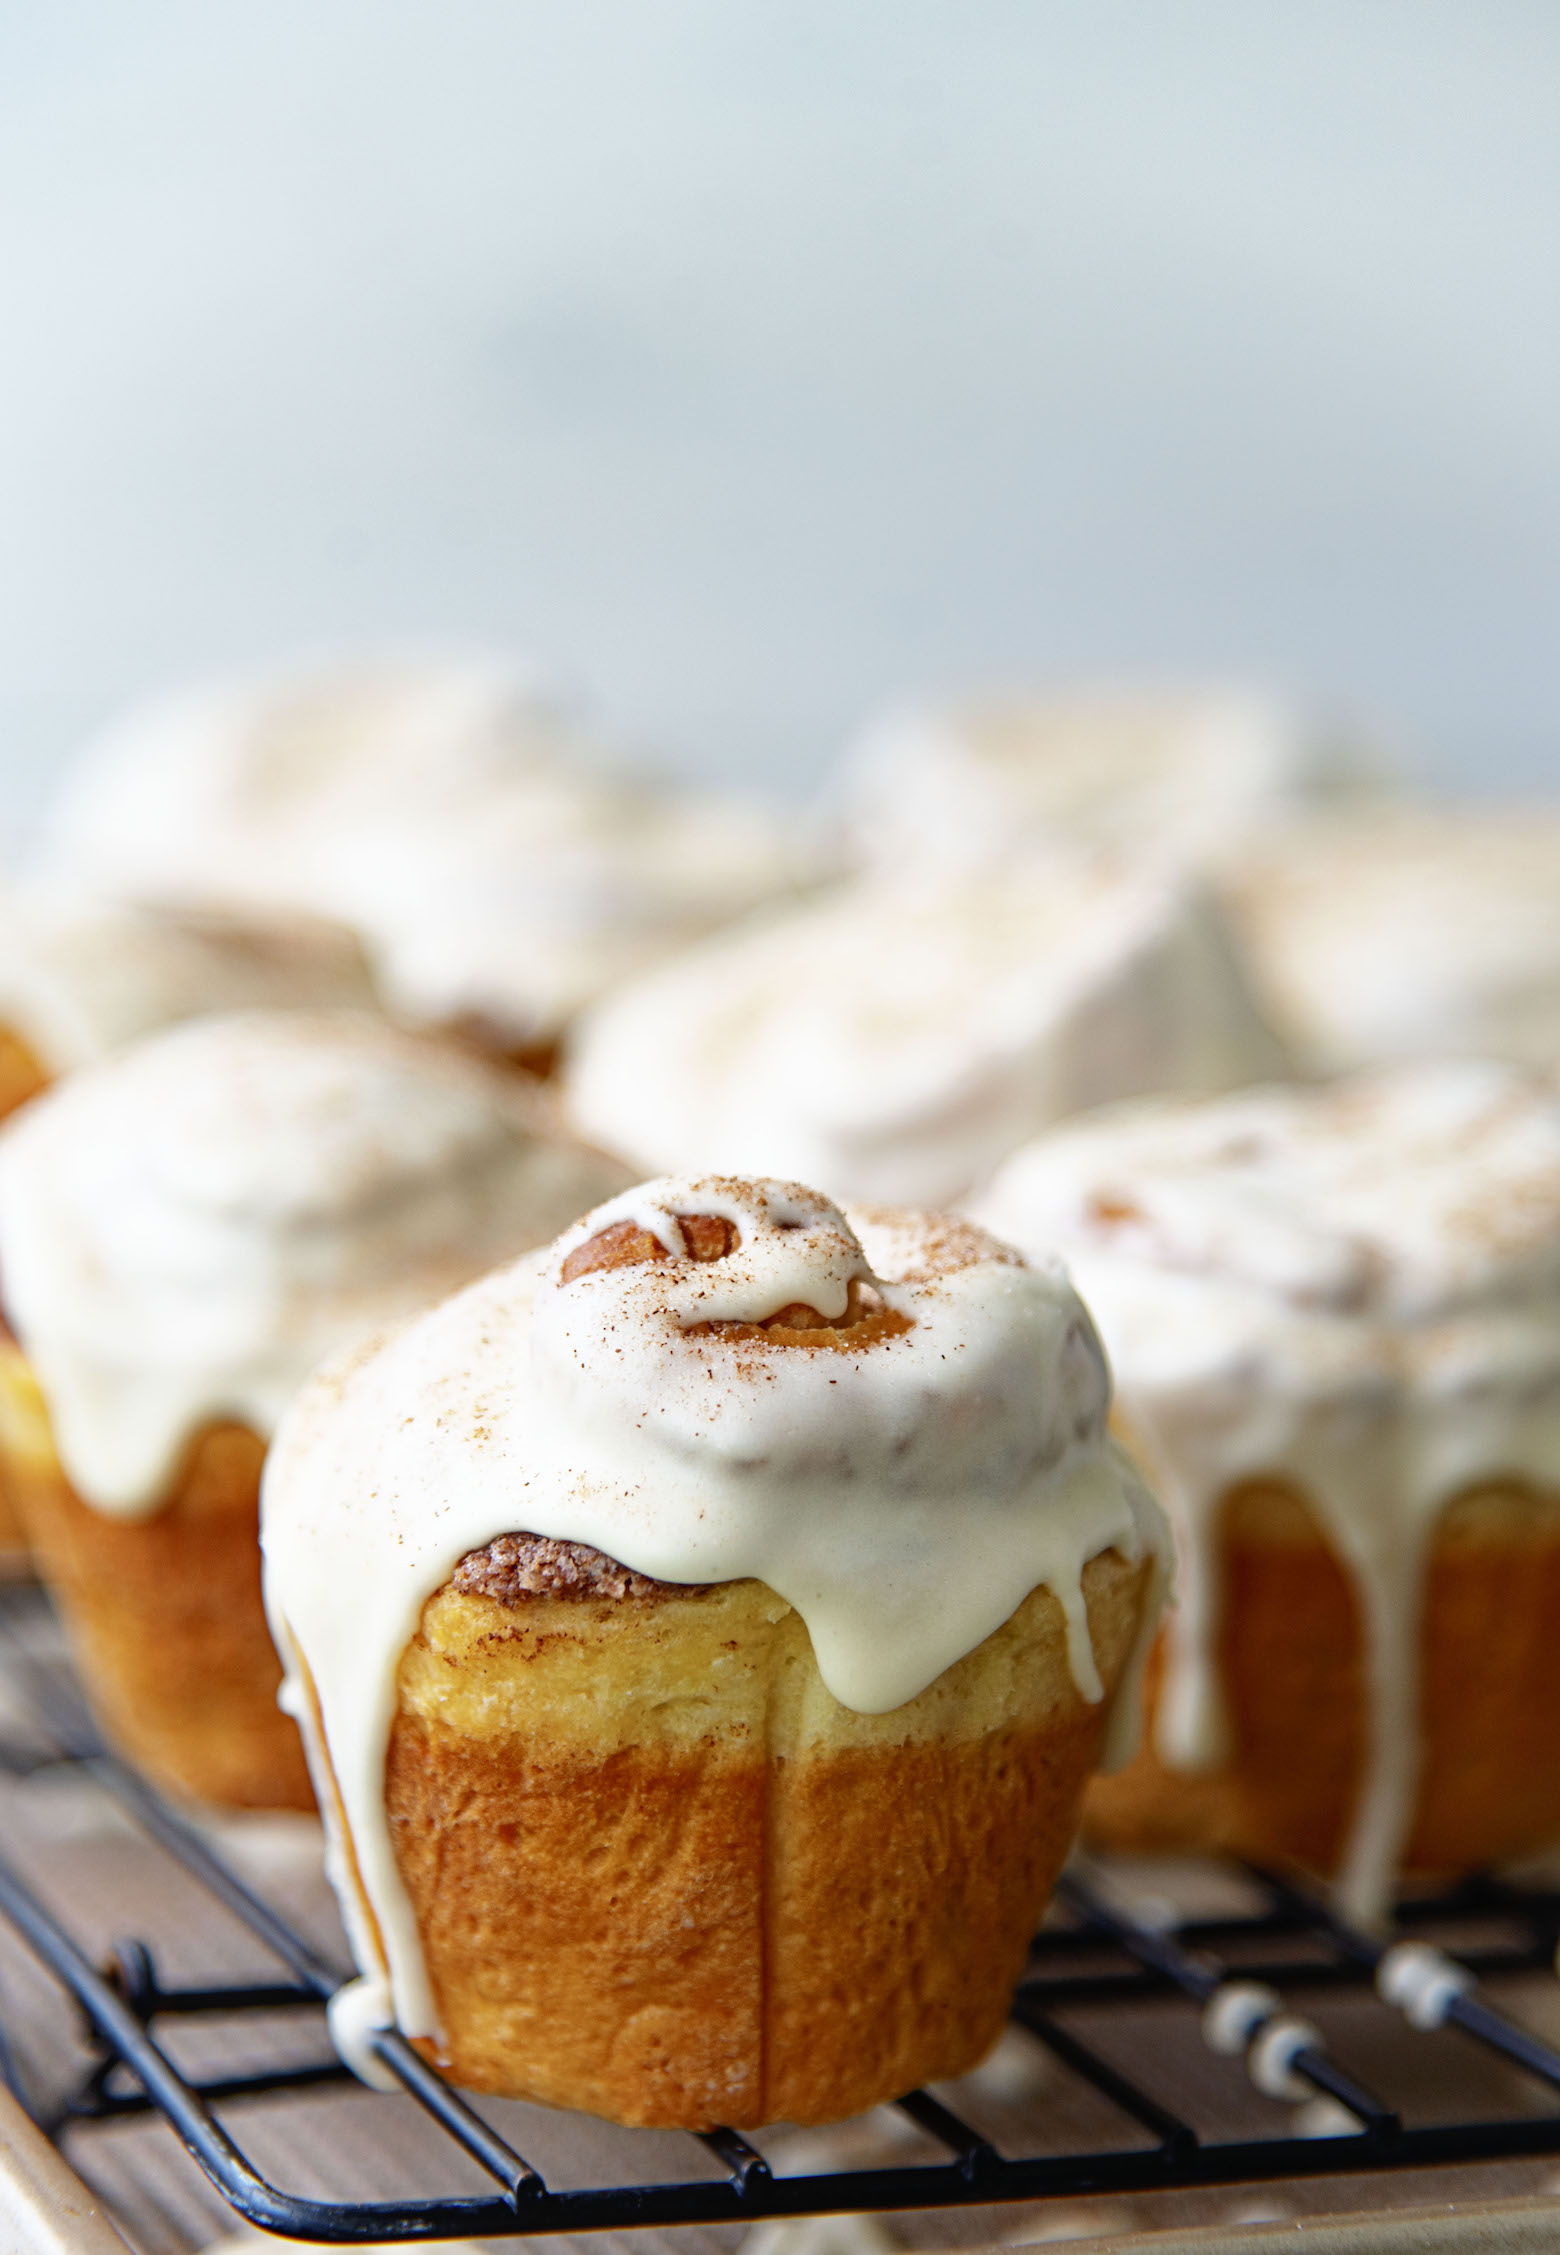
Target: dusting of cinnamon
x: 944, y: 1243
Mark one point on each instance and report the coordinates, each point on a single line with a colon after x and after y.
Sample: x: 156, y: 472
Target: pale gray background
x: 752, y: 359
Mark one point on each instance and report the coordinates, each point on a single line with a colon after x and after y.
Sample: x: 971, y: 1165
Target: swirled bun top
x: 79, y: 978
x: 458, y: 819
x: 1419, y: 1194
x: 512, y: 910
x: 188, y: 1227
x: 1188, y: 773
x: 1353, y: 1290
x: 895, y: 1041
x: 889, y: 1419
x: 1409, y: 932
x: 237, y: 790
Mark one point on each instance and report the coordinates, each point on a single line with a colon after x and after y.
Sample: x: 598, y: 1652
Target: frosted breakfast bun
x: 80, y: 978
x: 1188, y: 773
x: 185, y: 1230
x: 499, y: 871
x: 1334, y: 1320
x: 740, y: 1590
x: 896, y: 1040
x: 233, y: 790
x: 1408, y: 932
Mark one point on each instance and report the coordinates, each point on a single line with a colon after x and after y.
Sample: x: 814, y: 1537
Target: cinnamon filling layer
x: 706, y: 1237
x: 710, y: 1237
x: 514, y: 1568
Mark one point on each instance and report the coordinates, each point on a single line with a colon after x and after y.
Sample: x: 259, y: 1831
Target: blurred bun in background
x: 768, y: 371
x: 764, y: 366
x: 241, y: 790
x: 186, y: 1229
x: 1408, y: 931
x: 894, y: 1039
x: 1333, y: 1315
x: 1191, y: 772
x: 80, y: 978
x: 498, y: 870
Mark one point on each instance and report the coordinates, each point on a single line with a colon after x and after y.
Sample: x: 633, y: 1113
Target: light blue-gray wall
x: 754, y: 359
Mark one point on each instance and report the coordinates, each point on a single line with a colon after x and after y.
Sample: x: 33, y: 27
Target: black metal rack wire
x: 1238, y: 1973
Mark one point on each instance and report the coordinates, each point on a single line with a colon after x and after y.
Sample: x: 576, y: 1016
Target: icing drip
x: 1355, y: 1290
x: 702, y: 1415
x: 187, y: 1228
x: 896, y: 1040
x: 1186, y: 774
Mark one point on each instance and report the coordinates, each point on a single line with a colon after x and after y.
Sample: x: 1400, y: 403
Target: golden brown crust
x: 538, y: 1059
x: 21, y: 1072
x: 15, y: 1558
x: 14, y: 1554
x: 660, y: 1874
x: 165, y: 1613
x: 1291, y: 1660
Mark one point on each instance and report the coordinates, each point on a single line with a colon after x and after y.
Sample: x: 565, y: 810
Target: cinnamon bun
x: 1334, y: 1320
x: 185, y: 1230
x: 1407, y: 932
x: 500, y: 874
x: 895, y: 1040
x: 740, y: 1589
x: 80, y: 978
x: 1188, y: 774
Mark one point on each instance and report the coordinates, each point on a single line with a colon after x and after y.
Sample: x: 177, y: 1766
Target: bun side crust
x: 1290, y: 1657
x: 22, y: 1073
x: 660, y: 1874
x: 165, y: 1613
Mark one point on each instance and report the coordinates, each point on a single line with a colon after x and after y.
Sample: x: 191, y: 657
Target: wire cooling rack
x: 1235, y: 1981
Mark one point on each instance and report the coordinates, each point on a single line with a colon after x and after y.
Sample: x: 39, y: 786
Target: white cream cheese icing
x: 187, y: 1228
x: 79, y: 978
x: 1355, y: 1289
x: 904, y: 1496
x: 1188, y: 773
x: 235, y: 790
x: 1410, y: 931
x: 894, y: 1041
x: 461, y: 821
x: 515, y: 908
